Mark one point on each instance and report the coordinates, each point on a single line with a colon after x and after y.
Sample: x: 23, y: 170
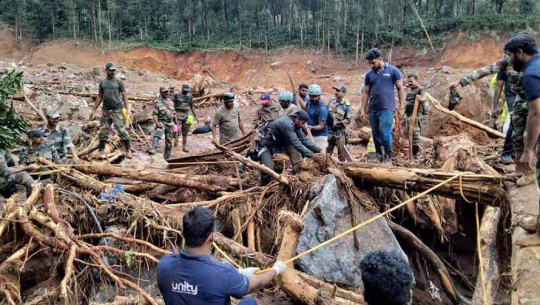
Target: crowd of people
x: 302, y: 126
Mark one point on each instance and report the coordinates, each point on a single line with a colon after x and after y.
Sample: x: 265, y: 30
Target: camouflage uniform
x: 423, y: 108
x: 111, y: 91
x: 8, y: 181
x: 60, y: 139
x: 30, y: 155
x: 521, y: 108
x: 165, y: 113
x: 341, y: 112
x: 182, y: 105
x: 266, y: 114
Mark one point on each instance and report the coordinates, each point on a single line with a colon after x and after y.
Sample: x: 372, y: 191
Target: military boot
x: 184, y: 144
x: 167, y: 153
x: 387, y: 157
x: 101, y: 151
x: 127, y: 147
x: 155, y: 144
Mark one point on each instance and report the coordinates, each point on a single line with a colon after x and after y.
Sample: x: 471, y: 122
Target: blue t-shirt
x: 381, y: 88
x: 294, y: 101
x: 531, y: 79
x: 317, y: 112
x: 185, y: 279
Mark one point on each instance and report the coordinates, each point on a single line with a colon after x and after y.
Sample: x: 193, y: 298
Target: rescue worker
x: 318, y: 114
x: 116, y: 109
x: 267, y: 112
x: 340, y: 109
x: 227, y: 119
x: 171, y: 93
x: 287, y: 107
x: 164, y: 117
x: 414, y: 90
x: 38, y: 149
x: 303, y: 96
x: 11, y: 175
x: 59, y: 138
x: 194, y: 277
x: 286, y: 132
x: 183, y: 104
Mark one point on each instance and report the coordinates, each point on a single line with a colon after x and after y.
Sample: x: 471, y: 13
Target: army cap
x: 185, y: 86
x: 35, y: 133
x: 341, y: 88
x: 110, y: 66
x: 53, y: 115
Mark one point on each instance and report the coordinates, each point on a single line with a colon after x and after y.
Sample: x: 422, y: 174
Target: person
x: 164, y: 116
x: 415, y: 90
x: 522, y: 50
x: 267, y: 112
x: 318, y: 115
x: 171, y: 92
x: 227, y: 119
x: 379, y: 96
x: 59, y: 138
x: 38, y: 149
x: 183, y: 104
x: 194, y: 277
x: 11, y: 175
x: 287, y: 132
x: 303, y: 96
x: 113, y: 95
x: 340, y: 108
x: 287, y: 107
x: 387, y: 278
x: 513, y: 143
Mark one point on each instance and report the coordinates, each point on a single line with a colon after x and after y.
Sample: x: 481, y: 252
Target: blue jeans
x: 381, y: 128
x: 247, y: 301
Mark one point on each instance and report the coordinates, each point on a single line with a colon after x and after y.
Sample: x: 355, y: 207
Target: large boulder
x: 330, y: 215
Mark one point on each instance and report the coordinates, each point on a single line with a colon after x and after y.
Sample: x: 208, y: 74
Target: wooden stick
x: 423, y: 26
x: 144, y: 135
x: 412, y: 121
x: 36, y: 110
x: 463, y: 119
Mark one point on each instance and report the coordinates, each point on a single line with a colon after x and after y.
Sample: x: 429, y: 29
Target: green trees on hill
x: 332, y: 25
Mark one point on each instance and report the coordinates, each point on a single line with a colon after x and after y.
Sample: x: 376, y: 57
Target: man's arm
x: 401, y: 95
x: 301, y: 102
x: 99, y: 99
x: 193, y: 110
x: 364, y: 102
x: 533, y: 131
x: 127, y: 103
x: 258, y: 282
x: 241, y: 124
x: 257, y: 119
x: 307, y: 142
x: 323, y: 116
x: 478, y: 74
x: 497, y: 97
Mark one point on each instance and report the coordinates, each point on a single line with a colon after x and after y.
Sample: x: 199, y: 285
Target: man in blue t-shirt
x: 317, y: 116
x: 193, y: 277
x: 379, y: 95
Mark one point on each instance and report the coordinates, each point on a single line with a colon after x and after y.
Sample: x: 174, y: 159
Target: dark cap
x: 301, y: 114
x: 341, y: 88
x: 228, y: 97
x: 35, y: 133
x: 110, y: 66
x: 53, y: 115
x: 185, y: 86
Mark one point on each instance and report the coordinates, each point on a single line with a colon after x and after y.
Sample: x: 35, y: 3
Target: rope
x: 292, y: 259
x: 147, y: 164
x: 480, y: 259
x: 461, y: 190
x: 230, y: 260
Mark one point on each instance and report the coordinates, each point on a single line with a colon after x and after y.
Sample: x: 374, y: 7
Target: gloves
x: 248, y: 272
x: 280, y: 267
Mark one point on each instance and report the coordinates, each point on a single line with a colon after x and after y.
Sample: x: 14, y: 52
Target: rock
x: 110, y: 259
x: 71, y: 76
x: 142, y: 159
x: 50, y: 64
x: 275, y: 65
x: 142, y: 73
x: 160, y: 79
x: 309, y: 62
x: 121, y: 76
x: 448, y: 70
x: 62, y: 67
x: 97, y: 71
x: 330, y: 215
x: 339, y: 78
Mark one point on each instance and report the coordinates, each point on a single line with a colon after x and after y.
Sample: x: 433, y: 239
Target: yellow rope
x: 230, y: 260
x: 461, y: 189
x: 480, y: 259
x: 292, y: 259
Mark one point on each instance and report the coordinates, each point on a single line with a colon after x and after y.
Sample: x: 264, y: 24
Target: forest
x: 341, y: 26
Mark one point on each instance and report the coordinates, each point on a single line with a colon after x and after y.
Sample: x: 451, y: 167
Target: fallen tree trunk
x: 209, y: 183
x: 463, y: 119
x: 433, y: 260
x: 485, y: 189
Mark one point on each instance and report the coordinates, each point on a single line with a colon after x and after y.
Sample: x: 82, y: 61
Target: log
x: 253, y: 164
x: 485, y: 189
x: 290, y: 282
x: 36, y: 110
x: 464, y: 119
x: 209, y: 183
x: 432, y: 259
x: 363, y: 135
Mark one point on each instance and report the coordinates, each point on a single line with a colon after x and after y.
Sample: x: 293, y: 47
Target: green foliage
x: 11, y: 123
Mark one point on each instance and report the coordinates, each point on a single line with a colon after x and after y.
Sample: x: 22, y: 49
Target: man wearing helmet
x: 227, y: 119
x: 267, y: 112
x: 183, y: 104
x: 317, y: 116
x: 286, y: 132
x: 287, y: 107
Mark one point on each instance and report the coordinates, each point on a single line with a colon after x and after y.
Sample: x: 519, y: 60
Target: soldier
x: 183, y: 104
x: 165, y: 117
x: 267, y: 112
x: 38, y: 149
x: 59, y: 138
x: 340, y: 108
x: 11, y: 175
x: 227, y: 119
x: 415, y: 90
x: 113, y: 95
x: 171, y: 92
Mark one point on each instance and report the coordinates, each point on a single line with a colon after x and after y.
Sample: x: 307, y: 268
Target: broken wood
x: 36, y: 110
x: 485, y: 189
x: 364, y: 134
x: 253, y: 164
x: 412, y: 121
x: 464, y: 119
